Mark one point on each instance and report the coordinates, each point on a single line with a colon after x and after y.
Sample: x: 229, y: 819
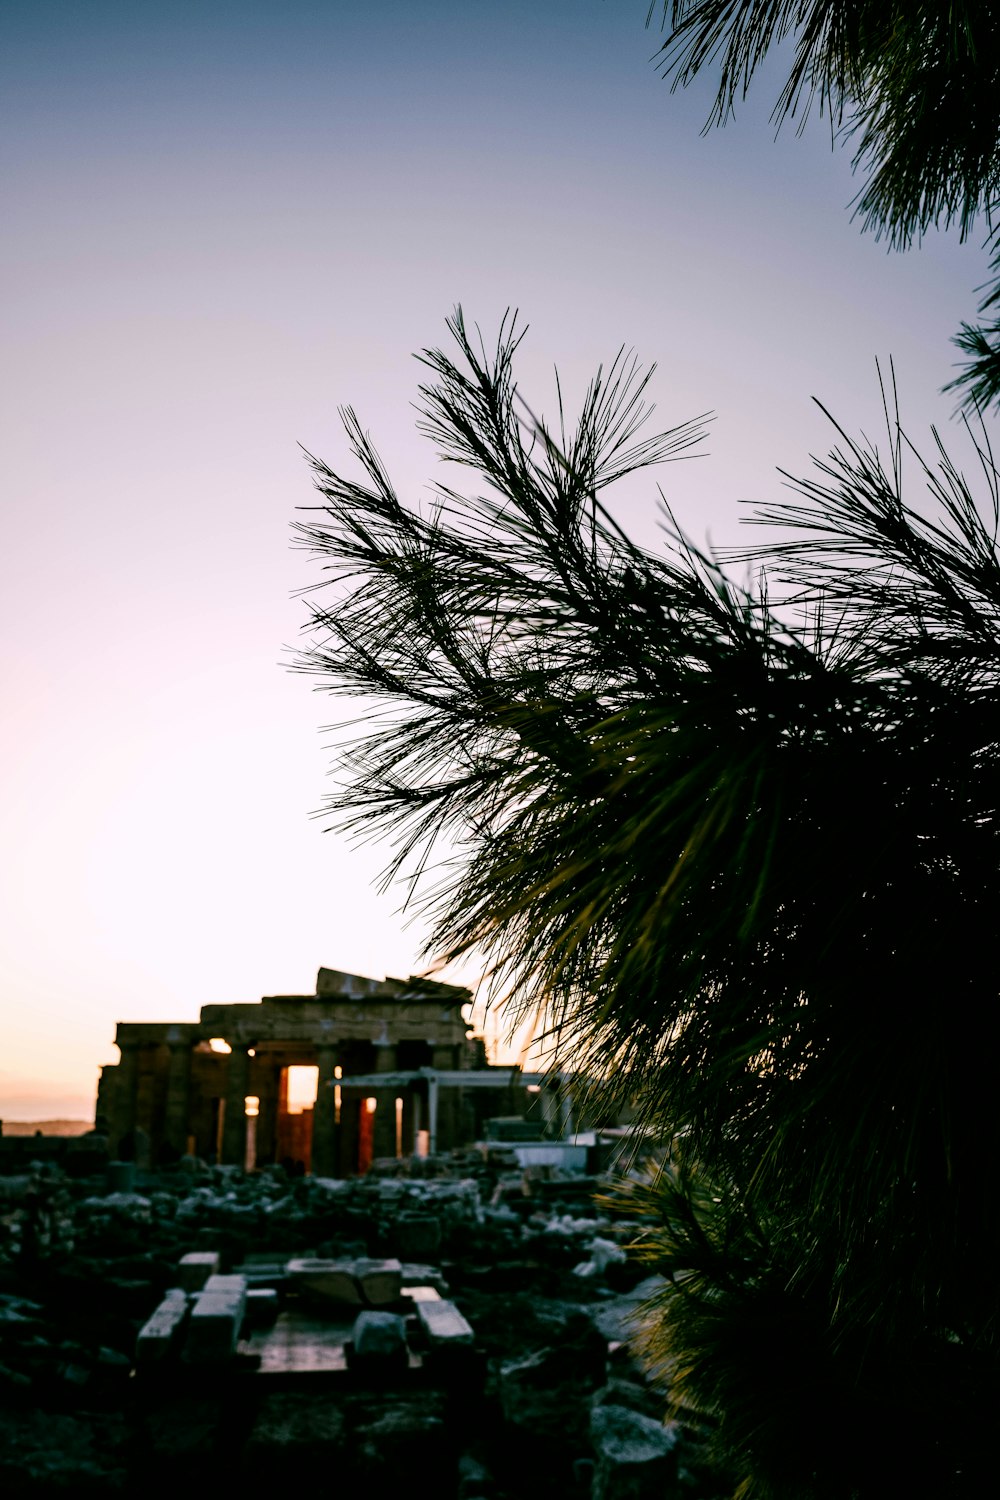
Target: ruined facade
x: 398, y: 1072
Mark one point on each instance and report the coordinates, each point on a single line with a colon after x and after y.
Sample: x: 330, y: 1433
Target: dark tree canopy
x: 914, y: 85
x: 739, y: 842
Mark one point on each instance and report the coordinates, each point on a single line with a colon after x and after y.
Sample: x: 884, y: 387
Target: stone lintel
x: 454, y: 1078
x: 153, y: 1033
x: 323, y: 1023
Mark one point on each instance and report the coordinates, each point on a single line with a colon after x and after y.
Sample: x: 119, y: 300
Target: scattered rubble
x: 466, y: 1318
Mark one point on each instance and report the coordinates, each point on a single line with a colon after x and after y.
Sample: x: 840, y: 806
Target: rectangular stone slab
x: 364, y: 1282
x: 159, y: 1334
x: 215, y: 1321
x: 232, y: 1282
x: 443, y: 1324
x: 422, y: 1293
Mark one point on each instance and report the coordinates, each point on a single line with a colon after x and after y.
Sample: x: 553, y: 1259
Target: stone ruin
x: 397, y: 1071
x: 403, y: 1283
x: 458, y: 1324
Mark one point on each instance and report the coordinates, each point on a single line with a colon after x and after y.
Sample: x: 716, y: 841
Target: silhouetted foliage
x: 739, y: 842
x: 805, y: 1389
x: 916, y: 86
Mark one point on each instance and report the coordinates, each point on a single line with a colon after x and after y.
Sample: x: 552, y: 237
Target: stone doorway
x: 366, y: 1132
x: 294, y: 1125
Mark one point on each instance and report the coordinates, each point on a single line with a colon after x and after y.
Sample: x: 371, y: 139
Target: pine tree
x: 739, y: 844
x: 914, y: 85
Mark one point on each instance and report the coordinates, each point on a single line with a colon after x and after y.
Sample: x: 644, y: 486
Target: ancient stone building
x: 397, y: 1071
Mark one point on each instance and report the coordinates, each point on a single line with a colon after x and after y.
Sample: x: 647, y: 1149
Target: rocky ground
x: 548, y: 1399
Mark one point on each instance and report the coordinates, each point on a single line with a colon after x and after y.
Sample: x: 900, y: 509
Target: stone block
x: 626, y: 1387
x: 232, y: 1282
x: 193, y: 1270
x: 618, y: 1318
x: 603, y: 1253
x: 636, y: 1457
x: 264, y: 1271
x: 379, y: 1335
x: 416, y: 1294
x: 416, y: 1275
x: 443, y: 1325
x: 325, y: 1280
x: 215, y: 1320
x: 381, y: 1281
x: 359, y: 1283
x: 160, y: 1334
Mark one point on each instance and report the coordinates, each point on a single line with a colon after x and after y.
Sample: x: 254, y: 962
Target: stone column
x: 416, y: 1118
x: 384, y: 1142
x: 234, y: 1126
x: 267, y: 1121
x: 177, y: 1125
x: 123, y: 1100
x: 444, y: 1131
x: 432, y: 1113
x: 324, y: 1141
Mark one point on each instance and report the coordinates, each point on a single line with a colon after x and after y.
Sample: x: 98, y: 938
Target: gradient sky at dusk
x: 222, y: 221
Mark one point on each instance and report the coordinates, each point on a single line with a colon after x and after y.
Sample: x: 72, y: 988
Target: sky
x: 224, y: 221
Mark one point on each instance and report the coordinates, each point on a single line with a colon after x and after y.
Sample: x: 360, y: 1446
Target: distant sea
x: 47, y: 1127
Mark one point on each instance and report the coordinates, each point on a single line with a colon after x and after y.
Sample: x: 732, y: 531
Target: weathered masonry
x: 396, y: 1071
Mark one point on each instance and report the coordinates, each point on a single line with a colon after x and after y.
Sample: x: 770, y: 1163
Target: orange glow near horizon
x: 303, y: 1083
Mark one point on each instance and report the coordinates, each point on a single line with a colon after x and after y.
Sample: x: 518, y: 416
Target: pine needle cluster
x: 737, y: 841
x: 913, y: 84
